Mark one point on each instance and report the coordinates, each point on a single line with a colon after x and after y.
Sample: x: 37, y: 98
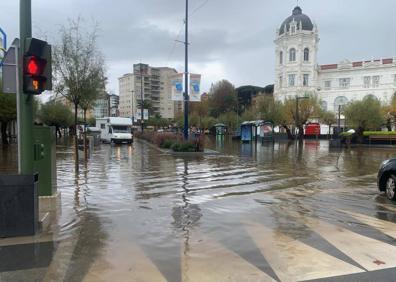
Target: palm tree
x: 146, y: 105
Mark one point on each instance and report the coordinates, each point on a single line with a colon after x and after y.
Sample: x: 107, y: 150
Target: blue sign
x: 196, y: 87
x: 179, y: 87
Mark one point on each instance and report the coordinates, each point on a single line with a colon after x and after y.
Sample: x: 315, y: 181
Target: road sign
x: 9, y: 68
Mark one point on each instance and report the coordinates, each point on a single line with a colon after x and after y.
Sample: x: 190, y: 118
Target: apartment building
x: 154, y: 85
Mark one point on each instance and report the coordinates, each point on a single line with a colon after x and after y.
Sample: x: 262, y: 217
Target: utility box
x: 18, y: 205
x: 44, y: 140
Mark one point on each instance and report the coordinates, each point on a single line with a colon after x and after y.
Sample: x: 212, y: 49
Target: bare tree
x: 308, y: 107
x: 78, y: 68
x: 328, y: 118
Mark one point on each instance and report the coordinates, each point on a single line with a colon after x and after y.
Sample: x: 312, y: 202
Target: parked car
x: 386, y: 179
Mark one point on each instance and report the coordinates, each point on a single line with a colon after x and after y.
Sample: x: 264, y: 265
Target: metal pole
x: 25, y: 115
x: 339, y: 120
x: 18, y: 98
x: 141, y: 98
x: 186, y: 86
x: 108, y: 106
x: 4, y: 38
x: 297, y: 117
x: 132, y: 110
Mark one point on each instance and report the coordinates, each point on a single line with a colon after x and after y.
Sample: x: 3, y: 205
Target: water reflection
x: 137, y: 195
x: 187, y: 215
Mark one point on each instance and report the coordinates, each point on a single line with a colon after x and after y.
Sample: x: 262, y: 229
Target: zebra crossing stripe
x: 293, y: 260
x: 386, y: 227
x: 123, y: 261
x: 367, y: 252
x: 389, y: 207
x: 204, y: 259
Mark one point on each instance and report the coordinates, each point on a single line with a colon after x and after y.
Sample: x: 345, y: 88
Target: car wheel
x: 390, y: 188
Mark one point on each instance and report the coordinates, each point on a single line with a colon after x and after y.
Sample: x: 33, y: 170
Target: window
x: 376, y: 80
x: 102, y: 126
x: 339, y: 102
x: 292, y: 55
x: 370, y: 96
x: 305, y: 79
x: 323, y: 105
x: 293, y: 28
x: 280, y: 81
x: 345, y: 83
x: 292, y: 79
x: 366, y: 81
x: 327, y: 84
x: 306, y: 55
x: 281, y: 58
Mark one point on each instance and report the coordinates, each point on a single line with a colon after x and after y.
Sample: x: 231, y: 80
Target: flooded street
x: 272, y: 212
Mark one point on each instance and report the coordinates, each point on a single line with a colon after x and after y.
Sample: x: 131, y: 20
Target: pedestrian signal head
x: 37, y: 70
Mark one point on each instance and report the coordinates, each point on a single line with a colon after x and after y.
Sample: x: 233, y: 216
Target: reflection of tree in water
x: 90, y: 242
x: 90, y: 234
x: 187, y: 215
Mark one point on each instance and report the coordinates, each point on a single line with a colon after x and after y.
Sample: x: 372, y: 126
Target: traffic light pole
x: 25, y: 102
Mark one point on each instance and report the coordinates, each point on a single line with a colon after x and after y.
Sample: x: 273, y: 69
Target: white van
x: 115, y: 129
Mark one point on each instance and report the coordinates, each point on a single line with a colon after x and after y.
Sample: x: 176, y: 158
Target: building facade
x: 298, y: 72
x: 114, y: 101
x: 101, y: 108
x: 154, y: 84
x: 126, y: 85
x: 106, y: 106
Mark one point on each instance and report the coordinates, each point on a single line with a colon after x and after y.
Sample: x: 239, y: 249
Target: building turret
x: 296, y: 56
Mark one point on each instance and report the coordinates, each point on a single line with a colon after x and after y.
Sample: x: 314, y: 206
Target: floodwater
x: 253, y: 212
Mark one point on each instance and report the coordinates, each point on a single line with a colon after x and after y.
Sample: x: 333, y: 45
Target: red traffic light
x: 35, y: 66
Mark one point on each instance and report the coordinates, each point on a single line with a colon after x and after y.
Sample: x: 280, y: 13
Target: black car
x: 386, y: 179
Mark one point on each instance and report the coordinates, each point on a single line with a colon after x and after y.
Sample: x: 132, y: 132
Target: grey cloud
x: 232, y: 36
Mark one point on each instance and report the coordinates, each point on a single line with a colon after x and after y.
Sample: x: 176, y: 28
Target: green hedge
x: 345, y: 134
x: 381, y: 133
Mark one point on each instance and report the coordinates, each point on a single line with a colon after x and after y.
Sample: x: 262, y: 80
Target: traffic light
x: 37, y: 67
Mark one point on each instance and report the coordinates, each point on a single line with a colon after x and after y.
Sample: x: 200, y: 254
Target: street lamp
x: 186, y: 98
x: 132, y: 109
x: 339, y: 120
x: 4, y: 47
x: 297, y: 114
x: 4, y: 38
x: 141, y: 98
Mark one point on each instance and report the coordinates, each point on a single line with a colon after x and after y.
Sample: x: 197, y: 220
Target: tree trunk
x: 4, y: 136
x: 289, y: 134
x: 388, y: 124
x: 58, y: 132
x: 85, y: 136
x: 328, y: 135
x: 359, y: 134
x: 75, y: 136
x: 300, y: 132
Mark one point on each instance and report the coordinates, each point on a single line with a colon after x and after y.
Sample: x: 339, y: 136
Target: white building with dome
x: 298, y: 72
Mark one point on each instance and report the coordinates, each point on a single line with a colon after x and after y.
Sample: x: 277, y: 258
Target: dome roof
x: 298, y: 17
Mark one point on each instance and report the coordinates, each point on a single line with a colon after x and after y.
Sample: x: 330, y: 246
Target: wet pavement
x: 272, y: 212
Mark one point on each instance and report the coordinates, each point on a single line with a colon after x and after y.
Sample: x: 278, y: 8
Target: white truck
x: 115, y: 129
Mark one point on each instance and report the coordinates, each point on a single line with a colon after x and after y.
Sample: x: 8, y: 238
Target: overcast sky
x: 230, y: 39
